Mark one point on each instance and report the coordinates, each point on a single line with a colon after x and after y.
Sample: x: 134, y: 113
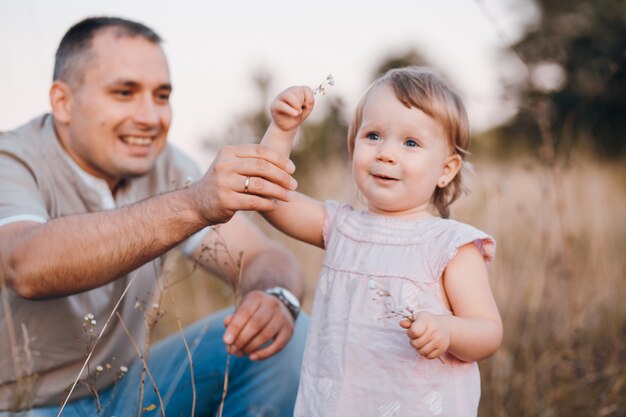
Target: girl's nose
x: 385, y: 154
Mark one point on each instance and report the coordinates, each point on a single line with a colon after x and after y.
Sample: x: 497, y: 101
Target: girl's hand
x: 291, y: 107
x: 428, y: 334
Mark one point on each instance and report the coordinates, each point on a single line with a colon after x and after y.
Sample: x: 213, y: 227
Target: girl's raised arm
x: 302, y: 217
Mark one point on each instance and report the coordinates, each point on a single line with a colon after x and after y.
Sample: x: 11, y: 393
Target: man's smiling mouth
x: 136, y: 140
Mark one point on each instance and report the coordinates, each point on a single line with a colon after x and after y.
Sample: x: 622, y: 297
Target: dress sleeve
x: 330, y: 213
x: 460, y: 235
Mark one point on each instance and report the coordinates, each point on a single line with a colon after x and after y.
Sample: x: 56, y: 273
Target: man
x: 91, y: 197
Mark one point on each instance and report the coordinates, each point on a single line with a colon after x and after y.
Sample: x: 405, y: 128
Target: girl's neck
x: 416, y: 213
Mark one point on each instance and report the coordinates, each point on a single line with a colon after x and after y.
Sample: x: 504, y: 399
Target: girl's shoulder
x: 453, y: 234
x: 452, y: 227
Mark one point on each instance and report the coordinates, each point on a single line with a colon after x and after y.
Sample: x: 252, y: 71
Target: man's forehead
x: 117, y: 39
x: 127, y: 57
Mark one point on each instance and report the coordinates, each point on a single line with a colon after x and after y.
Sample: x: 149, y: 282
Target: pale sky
x: 214, y: 48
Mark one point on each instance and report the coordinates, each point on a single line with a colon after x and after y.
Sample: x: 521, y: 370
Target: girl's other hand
x: 428, y: 334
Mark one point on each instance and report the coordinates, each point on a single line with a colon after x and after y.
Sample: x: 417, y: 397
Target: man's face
x: 119, y: 113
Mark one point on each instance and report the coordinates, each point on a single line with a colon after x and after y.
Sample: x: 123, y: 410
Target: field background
x: 558, y: 280
x: 545, y: 86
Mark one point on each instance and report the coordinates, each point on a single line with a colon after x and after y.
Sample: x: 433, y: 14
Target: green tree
x: 581, y: 45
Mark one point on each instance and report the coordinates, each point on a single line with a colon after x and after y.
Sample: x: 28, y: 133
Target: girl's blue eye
x: 411, y: 143
x: 373, y: 136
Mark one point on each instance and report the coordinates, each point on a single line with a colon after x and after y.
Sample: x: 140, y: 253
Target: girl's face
x: 401, y: 154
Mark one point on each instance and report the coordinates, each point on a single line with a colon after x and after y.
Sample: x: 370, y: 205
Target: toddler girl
x: 403, y: 308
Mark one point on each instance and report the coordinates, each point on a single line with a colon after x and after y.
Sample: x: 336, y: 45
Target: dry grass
x: 558, y: 279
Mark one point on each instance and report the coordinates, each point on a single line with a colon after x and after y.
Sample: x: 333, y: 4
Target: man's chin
x: 136, y: 171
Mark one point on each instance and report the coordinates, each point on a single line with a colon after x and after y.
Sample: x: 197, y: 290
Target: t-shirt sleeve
x: 182, y: 171
x: 330, y: 213
x: 20, y: 197
x: 458, y: 236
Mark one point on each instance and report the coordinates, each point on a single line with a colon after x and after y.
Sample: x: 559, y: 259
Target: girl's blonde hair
x: 420, y: 88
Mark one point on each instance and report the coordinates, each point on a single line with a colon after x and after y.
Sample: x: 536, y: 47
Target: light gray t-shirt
x: 39, y: 182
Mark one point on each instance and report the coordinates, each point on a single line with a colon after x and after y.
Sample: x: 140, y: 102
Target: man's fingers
x: 239, y: 321
x: 260, y: 327
x: 277, y: 344
x: 264, y: 188
x: 262, y: 152
x: 268, y: 333
x: 260, y: 168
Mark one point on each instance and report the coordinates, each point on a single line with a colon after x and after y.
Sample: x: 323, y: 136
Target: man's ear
x: 61, y: 101
x: 451, y: 167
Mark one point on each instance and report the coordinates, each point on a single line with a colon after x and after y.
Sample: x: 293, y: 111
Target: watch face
x: 290, y: 298
x: 287, y: 298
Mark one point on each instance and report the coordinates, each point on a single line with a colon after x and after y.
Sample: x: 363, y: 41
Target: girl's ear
x: 61, y: 101
x: 451, y: 167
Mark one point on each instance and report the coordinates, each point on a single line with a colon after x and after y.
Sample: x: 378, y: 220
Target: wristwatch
x: 287, y: 298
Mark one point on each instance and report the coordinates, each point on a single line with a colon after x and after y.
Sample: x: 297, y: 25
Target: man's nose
x: 147, y: 111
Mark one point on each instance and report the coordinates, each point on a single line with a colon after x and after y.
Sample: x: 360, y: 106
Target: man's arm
x: 240, y: 246
x: 80, y: 252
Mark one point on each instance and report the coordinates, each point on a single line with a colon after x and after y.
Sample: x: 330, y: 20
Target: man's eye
x: 373, y: 136
x: 411, y: 143
x: 123, y: 93
x: 163, y: 96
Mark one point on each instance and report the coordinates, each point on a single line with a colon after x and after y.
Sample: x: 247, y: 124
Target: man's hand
x: 428, y: 334
x: 242, y: 177
x: 260, y: 318
x: 291, y: 107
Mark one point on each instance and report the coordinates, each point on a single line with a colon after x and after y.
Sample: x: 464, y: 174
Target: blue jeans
x: 263, y: 388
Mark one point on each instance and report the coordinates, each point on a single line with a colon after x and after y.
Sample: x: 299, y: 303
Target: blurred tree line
x: 575, y: 92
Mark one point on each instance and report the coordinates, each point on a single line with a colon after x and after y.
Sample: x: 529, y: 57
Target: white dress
x: 359, y: 363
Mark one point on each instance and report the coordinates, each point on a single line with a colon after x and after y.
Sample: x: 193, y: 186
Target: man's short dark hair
x: 75, y: 47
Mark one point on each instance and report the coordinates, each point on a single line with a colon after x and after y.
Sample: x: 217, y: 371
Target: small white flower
x: 321, y: 89
x: 155, y: 305
x: 123, y: 369
x: 371, y: 284
x: 93, y: 322
x: 137, y: 305
x: 99, y: 368
x: 89, y: 317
